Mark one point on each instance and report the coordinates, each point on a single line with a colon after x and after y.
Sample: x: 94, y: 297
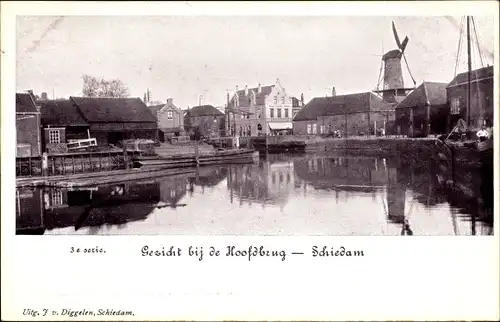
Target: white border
x: 419, y: 278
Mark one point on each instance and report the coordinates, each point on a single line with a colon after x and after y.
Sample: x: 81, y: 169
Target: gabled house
x: 62, y: 123
x: 206, y: 118
x: 481, y: 111
x: 260, y: 110
x: 112, y: 120
x: 424, y: 111
x: 170, y: 119
x: 350, y: 114
x: 28, y: 126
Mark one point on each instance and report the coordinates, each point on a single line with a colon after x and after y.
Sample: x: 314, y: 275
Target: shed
x: 424, y: 111
x: 114, y: 119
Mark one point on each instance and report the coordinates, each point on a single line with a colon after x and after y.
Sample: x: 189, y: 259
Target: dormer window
x: 275, y: 100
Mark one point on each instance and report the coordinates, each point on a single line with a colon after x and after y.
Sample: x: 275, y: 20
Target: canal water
x: 299, y: 195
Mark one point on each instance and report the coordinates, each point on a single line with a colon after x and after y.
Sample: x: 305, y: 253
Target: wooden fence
x: 63, y: 164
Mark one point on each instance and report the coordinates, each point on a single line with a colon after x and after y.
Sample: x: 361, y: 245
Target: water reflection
x: 282, y: 195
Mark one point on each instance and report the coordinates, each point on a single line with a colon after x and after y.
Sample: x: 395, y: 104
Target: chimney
x: 334, y: 92
x: 259, y: 89
x: 236, y: 87
x: 170, y: 101
x: 44, y: 96
x: 246, y: 90
x: 302, y: 99
x: 29, y: 91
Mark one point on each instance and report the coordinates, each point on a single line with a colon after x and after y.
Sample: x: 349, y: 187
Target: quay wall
x: 365, y: 144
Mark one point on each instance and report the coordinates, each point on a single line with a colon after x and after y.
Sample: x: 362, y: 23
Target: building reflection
x: 52, y: 208
x: 172, y: 190
x: 205, y: 177
x: 360, y: 174
x: 267, y: 183
x: 29, y: 211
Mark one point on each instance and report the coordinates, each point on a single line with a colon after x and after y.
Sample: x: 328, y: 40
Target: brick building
x: 206, y: 118
x: 354, y: 114
x: 28, y: 126
x: 170, y: 119
x: 481, y: 111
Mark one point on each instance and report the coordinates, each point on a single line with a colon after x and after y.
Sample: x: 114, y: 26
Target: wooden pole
x: 196, y: 152
x: 469, y: 64
x: 125, y: 156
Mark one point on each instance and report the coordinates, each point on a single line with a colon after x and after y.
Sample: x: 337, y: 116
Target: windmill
x: 393, y: 90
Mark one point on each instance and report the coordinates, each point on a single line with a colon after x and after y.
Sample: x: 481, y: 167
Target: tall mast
x: 469, y: 64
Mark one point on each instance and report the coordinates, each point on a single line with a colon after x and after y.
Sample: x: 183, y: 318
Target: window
x: 455, y: 106
x: 309, y: 131
x: 54, y: 136
x: 275, y: 100
x: 283, y: 100
x: 57, y: 198
x: 286, y: 112
x: 279, y: 112
x: 170, y: 115
x: 322, y: 129
x: 314, y: 129
x: 271, y: 112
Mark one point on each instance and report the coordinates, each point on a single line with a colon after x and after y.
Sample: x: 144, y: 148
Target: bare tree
x: 93, y: 87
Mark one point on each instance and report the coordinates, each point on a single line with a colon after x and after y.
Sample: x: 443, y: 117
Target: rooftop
x: 427, y: 93
x: 128, y: 110
x: 463, y: 78
x: 203, y: 110
x: 61, y: 113
x: 340, y: 104
x: 25, y: 103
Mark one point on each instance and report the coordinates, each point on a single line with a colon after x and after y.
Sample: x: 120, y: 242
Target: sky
x: 183, y: 57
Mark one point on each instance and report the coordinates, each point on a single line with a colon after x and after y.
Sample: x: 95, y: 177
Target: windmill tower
x: 393, y: 89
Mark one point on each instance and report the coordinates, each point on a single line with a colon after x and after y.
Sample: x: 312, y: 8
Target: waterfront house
x: 481, y: 111
x: 206, y: 118
x: 28, y: 126
x: 112, y: 120
x: 170, y: 119
x: 354, y: 114
x: 424, y: 111
x: 260, y: 110
x: 62, y: 123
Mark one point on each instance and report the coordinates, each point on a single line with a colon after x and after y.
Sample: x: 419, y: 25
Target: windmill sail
x: 394, y: 89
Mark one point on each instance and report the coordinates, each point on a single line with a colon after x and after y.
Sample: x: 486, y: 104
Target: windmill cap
x: 396, y: 53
